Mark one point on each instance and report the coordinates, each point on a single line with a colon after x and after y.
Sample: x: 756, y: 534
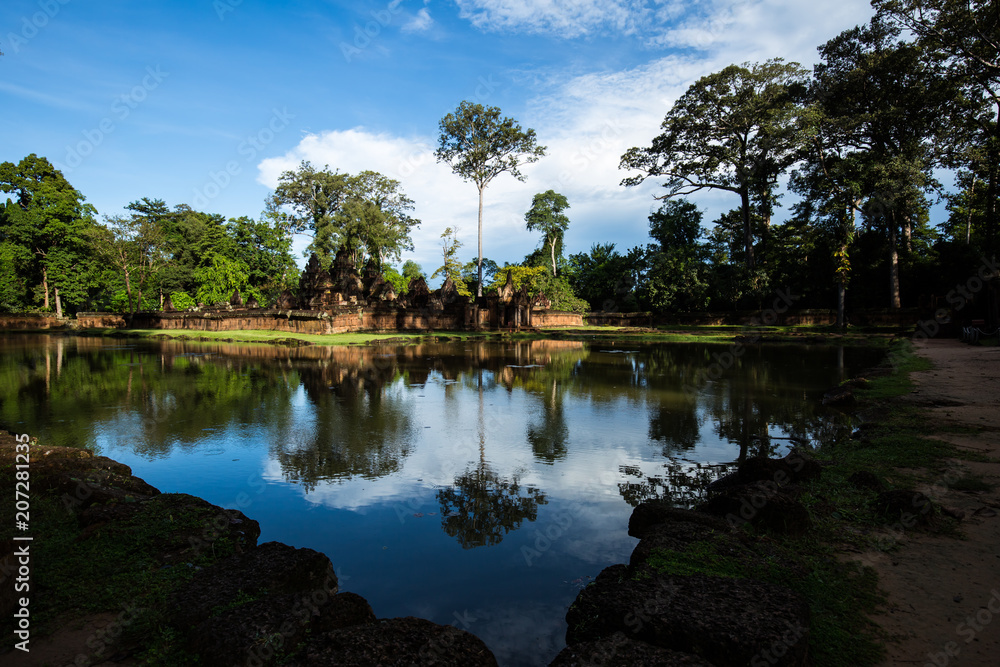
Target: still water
x: 474, y: 484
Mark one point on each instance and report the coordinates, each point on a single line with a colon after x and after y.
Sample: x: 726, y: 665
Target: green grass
x: 115, y: 569
x: 675, y: 334
x: 280, y: 337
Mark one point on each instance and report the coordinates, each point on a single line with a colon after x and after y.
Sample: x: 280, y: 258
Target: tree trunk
x: 968, y: 224
x: 991, y: 204
x: 894, y: 302
x: 841, y: 302
x: 58, y: 303
x: 45, y: 286
x: 747, y: 232
x: 993, y: 157
x: 553, y: 244
x: 479, y: 285
x: 128, y: 293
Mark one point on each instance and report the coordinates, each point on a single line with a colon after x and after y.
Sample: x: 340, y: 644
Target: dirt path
x: 944, y: 593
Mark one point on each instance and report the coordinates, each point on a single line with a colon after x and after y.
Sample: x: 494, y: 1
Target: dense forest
x: 858, y: 149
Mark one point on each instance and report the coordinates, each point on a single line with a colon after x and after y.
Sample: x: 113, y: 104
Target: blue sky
x: 206, y: 103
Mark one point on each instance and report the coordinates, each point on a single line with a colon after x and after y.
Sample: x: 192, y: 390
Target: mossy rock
x: 726, y: 621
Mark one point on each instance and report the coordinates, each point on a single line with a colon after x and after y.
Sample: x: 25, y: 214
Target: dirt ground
x: 944, y: 593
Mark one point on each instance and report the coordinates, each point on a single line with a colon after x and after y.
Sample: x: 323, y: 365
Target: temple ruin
x: 341, y: 299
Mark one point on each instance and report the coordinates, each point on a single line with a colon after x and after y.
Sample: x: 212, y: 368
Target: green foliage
x: 182, y: 300
x: 308, y: 199
x: 14, y: 295
x: 532, y: 276
x: 374, y: 218
x: 50, y: 223
x: 676, y: 276
x: 265, y: 250
x: 558, y: 290
x: 221, y: 278
x: 366, y: 214
x: 452, y: 267
x: 604, y: 278
x: 412, y: 270
x: 400, y: 283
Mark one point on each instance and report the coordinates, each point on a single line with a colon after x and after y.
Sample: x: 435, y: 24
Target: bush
x: 182, y: 301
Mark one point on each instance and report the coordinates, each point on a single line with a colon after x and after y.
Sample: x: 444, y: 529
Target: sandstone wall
x: 32, y: 322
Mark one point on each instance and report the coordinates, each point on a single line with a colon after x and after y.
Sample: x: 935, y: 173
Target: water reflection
x: 335, y: 413
x: 439, y: 477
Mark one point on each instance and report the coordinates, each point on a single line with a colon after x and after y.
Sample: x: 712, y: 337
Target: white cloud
x: 563, y: 18
x: 422, y: 22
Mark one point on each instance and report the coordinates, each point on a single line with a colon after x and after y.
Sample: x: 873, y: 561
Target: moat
x: 474, y: 484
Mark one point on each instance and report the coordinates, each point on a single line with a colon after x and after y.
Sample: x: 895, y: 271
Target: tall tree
x: 883, y: 101
x: 480, y: 145
x: 736, y: 130
x: 265, y: 250
x: 307, y: 201
x: 546, y: 216
x: 963, y: 40
x: 50, y: 220
x: 677, y: 261
x: 374, y: 219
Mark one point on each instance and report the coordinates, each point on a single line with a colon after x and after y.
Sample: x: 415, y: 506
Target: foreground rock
x: 397, y: 642
x: 726, y: 621
x: 184, y: 525
x: 620, y: 651
x: 762, y: 505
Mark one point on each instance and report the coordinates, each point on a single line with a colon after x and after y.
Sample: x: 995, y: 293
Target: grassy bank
x: 680, y: 334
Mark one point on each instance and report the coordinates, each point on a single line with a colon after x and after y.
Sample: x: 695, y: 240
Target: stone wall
x: 555, y: 318
x: 882, y: 318
x: 99, y: 321
x: 32, y: 322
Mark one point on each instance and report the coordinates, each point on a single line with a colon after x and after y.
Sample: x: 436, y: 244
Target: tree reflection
x: 548, y: 438
x: 482, y: 507
x: 358, y: 429
x: 681, y: 483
